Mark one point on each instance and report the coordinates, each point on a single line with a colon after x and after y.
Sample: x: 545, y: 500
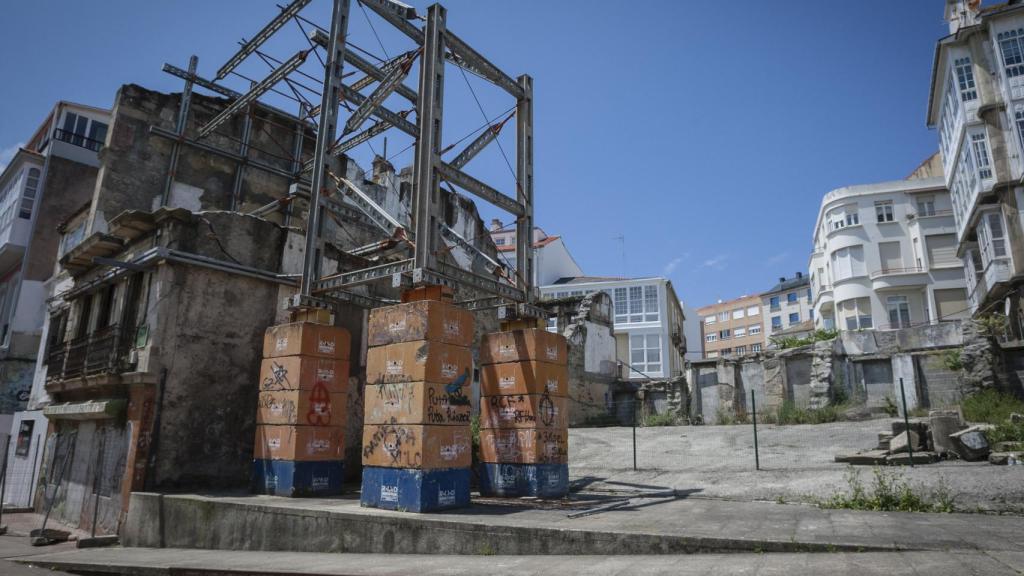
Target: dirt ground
x: 797, y: 464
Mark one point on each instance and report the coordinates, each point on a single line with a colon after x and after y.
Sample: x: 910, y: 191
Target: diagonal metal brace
x: 455, y: 238
x: 478, y: 144
x: 471, y: 184
x: 258, y: 90
x: 377, y: 97
x: 262, y: 36
x: 376, y: 214
x: 381, y: 112
x: 373, y: 73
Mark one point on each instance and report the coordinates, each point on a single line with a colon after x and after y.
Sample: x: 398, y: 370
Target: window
x: 926, y: 206
x: 792, y: 298
x: 773, y: 303
x: 1010, y: 46
x: 843, y: 217
x: 72, y: 238
x: 98, y: 133
x: 712, y: 354
x: 741, y: 349
x: 965, y: 79
x: 711, y: 338
x: 645, y: 353
x: 552, y: 325
x: 710, y: 319
x: 951, y: 303
x: 980, y: 148
x: 499, y: 241
x: 737, y: 314
x: 739, y: 332
x: 856, y: 312
x: 776, y: 323
x: 794, y: 318
x: 28, y: 197
x: 753, y: 311
x: 810, y: 296
x: 995, y: 228
x: 724, y: 334
x: 941, y: 250
x: 899, y: 311
x: 1019, y: 117
x: 723, y: 316
x: 621, y: 305
x: 883, y: 211
x: 848, y: 262
x: 755, y: 329
x: 726, y: 351
x: 755, y: 347
x: 650, y: 303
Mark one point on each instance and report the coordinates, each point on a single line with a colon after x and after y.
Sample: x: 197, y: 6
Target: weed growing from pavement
x: 659, y: 420
x: 991, y: 406
x: 889, y: 492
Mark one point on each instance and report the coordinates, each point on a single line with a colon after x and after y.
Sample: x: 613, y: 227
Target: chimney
x: 495, y: 224
x: 799, y: 274
x: 961, y: 13
x: 782, y: 279
x: 383, y: 171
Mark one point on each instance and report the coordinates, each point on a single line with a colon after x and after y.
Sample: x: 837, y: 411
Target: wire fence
x: 634, y: 434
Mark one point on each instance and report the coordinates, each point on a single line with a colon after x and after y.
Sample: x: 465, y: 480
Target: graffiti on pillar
x: 15, y: 385
x: 277, y: 379
x: 319, y: 413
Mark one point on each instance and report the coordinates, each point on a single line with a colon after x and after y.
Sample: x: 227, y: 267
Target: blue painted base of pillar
x: 514, y: 480
x: 415, y: 490
x: 297, y: 479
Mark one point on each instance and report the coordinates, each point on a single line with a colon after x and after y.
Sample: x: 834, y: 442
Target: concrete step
x: 167, y: 561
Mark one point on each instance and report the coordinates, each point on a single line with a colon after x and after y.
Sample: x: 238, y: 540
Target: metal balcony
x: 103, y: 351
x: 79, y: 140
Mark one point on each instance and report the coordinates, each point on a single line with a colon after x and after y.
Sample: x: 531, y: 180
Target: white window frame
x: 979, y: 146
x: 754, y: 329
x: 899, y: 304
x: 647, y: 357
x: 739, y: 332
x: 965, y: 79
x: 885, y: 211
x: 737, y: 314
x: 753, y: 310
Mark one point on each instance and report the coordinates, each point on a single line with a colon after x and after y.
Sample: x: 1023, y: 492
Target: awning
x: 88, y: 410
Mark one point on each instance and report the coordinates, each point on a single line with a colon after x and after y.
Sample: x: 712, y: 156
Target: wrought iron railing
x: 891, y: 271
x: 80, y: 140
x: 103, y: 351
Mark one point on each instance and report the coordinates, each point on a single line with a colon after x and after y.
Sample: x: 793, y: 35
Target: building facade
x: 787, y: 306
x: 551, y: 257
x: 47, y: 182
x: 733, y: 327
x: 647, y: 319
x: 885, y: 257
x: 977, y: 104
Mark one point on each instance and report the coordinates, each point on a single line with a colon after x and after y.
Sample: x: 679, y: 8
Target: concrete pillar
x: 903, y: 367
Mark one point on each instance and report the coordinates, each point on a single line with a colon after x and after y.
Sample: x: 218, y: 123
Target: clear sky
x: 704, y: 133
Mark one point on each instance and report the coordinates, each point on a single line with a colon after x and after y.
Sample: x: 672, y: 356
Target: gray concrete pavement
x: 13, y: 547
x: 797, y: 463
x: 169, y: 561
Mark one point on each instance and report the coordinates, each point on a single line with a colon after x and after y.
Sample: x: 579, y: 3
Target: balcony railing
x: 78, y: 140
x: 893, y: 271
x: 103, y: 351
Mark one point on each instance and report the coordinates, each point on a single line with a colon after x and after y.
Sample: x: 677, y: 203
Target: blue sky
x: 704, y: 133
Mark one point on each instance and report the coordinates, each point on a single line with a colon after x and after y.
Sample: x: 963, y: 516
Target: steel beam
x: 261, y: 88
x: 373, y: 73
x: 211, y: 86
x: 298, y: 139
x: 324, y: 139
x: 398, y: 15
x: 479, y: 282
x: 182, y: 123
x: 429, y: 116
x: 524, y: 189
x: 478, y: 144
x: 373, y: 211
x: 164, y: 133
x: 378, y: 128
x: 454, y: 237
x: 478, y: 188
x: 243, y: 151
x: 250, y: 46
x: 379, y: 94
x: 468, y: 58
x: 383, y: 113
x: 364, y: 276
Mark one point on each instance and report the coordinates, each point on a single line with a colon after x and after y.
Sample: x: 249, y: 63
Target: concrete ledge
x: 340, y: 525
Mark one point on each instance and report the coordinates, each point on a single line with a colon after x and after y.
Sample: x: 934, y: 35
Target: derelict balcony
x: 103, y: 352
x: 79, y: 140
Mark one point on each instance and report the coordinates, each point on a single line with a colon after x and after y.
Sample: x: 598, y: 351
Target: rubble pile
x: 940, y: 436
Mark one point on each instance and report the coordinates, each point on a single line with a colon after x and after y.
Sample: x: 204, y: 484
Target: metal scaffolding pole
x: 524, y: 188
x: 324, y: 139
x: 186, y: 99
x: 429, y: 116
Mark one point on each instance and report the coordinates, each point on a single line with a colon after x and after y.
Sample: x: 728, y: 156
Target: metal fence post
x: 3, y: 482
x: 97, y: 478
x: 753, y: 412
x: 634, y: 434
x: 906, y: 422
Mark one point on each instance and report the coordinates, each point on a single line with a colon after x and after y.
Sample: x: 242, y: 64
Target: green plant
x: 953, y: 361
x: 991, y: 406
x: 890, y: 408
x: 666, y: 419
x: 790, y: 413
x: 1006, y: 432
x: 785, y: 342
x: 993, y: 325
x: 724, y: 417
x: 889, y: 492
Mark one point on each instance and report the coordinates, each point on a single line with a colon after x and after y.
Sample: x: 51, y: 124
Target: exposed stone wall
x: 68, y: 187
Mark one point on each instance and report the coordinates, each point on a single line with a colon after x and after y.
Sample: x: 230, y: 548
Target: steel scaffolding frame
x: 437, y: 47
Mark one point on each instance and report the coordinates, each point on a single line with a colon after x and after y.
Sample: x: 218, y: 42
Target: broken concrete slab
x: 863, y: 458
x: 918, y: 425
x: 98, y: 541
x: 971, y: 444
x: 1003, y: 458
x: 904, y: 442
x: 942, y: 424
x: 1008, y: 447
x: 884, y: 440
x: 907, y: 459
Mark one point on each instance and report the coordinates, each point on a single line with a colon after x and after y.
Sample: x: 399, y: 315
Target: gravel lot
x: 796, y: 463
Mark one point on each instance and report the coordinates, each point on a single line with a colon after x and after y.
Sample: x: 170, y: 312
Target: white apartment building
x: 648, y: 322
x: 977, y: 103
x: 885, y: 257
x: 551, y: 257
x: 787, y: 306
